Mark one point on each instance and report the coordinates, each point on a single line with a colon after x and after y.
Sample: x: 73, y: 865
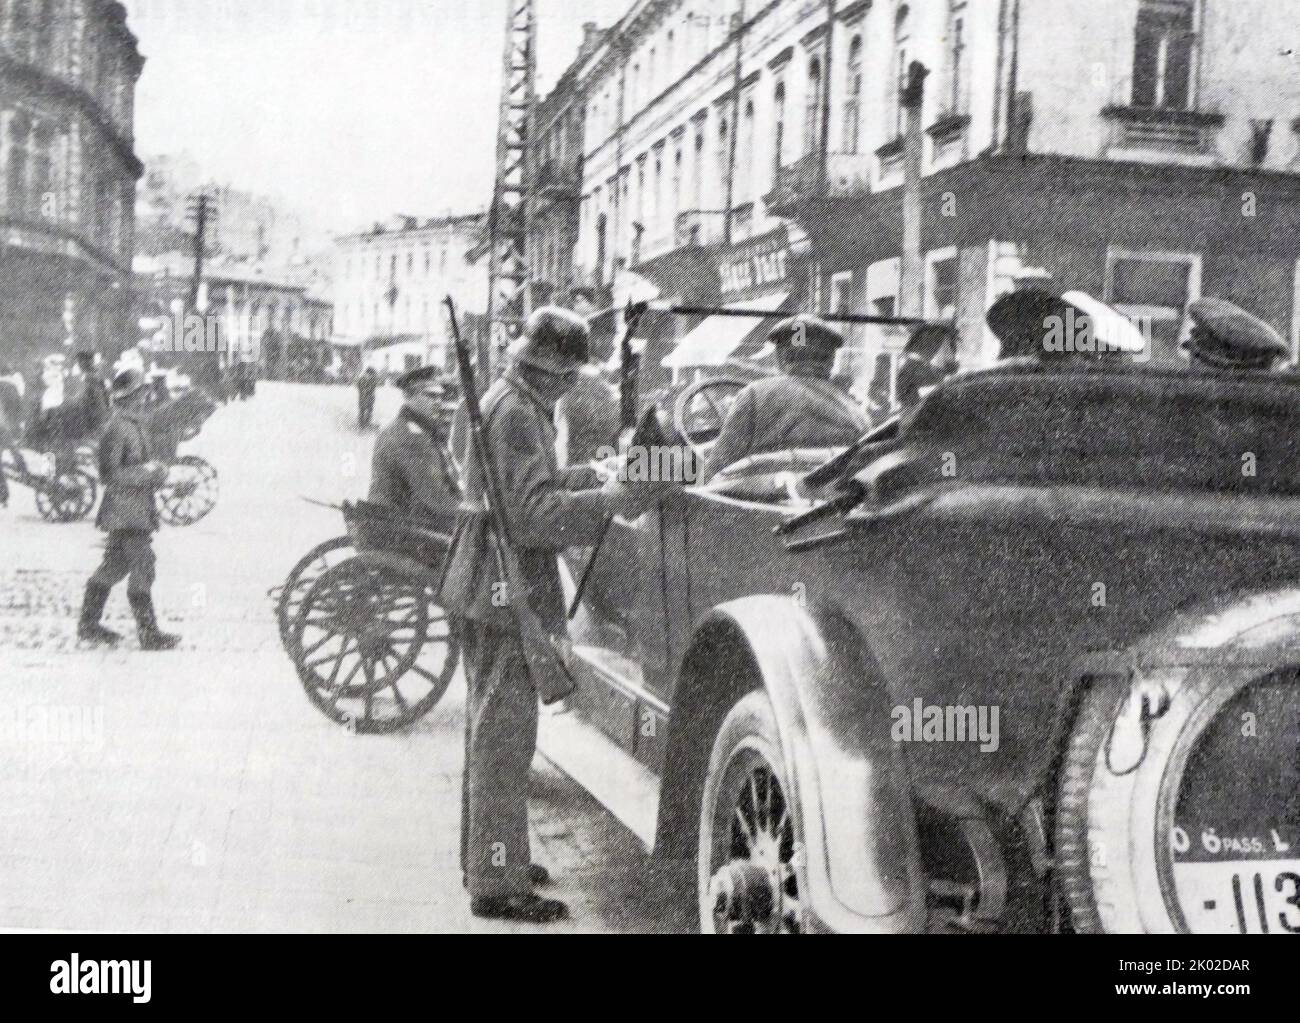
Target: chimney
x: 590, y: 37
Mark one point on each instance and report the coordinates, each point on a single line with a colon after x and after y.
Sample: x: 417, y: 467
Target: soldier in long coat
x: 130, y: 475
x: 799, y: 408
x: 547, y: 509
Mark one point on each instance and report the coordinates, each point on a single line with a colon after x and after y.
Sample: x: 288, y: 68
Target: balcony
x: 1160, y: 128
x: 559, y: 179
x: 847, y: 174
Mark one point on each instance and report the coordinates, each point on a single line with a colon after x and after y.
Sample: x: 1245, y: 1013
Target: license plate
x: 1240, y: 897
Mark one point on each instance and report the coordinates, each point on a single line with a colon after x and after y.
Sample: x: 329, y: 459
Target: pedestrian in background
x: 367, y: 384
x: 130, y: 477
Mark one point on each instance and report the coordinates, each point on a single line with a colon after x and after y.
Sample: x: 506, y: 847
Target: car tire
x: 1117, y: 828
x: 750, y: 878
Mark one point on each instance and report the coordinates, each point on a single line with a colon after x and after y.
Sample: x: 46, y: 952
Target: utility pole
x: 509, y: 219
x: 912, y: 265
x: 824, y: 150
x: 737, y: 78
x: 202, y: 209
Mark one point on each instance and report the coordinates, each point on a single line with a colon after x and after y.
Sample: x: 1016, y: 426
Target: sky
x: 350, y: 110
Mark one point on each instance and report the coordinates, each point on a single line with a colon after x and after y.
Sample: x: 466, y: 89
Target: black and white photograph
x: 485, y: 467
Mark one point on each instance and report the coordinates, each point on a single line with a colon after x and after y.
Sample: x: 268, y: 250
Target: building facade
x: 389, y: 286
x: 276, y: 318
x: 1146, y: 151
x: 68, y: 172
x: 557, y: 160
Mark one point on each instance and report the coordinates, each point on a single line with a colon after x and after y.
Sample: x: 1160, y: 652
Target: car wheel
x: 750, y: 875
x: 1202, y: 833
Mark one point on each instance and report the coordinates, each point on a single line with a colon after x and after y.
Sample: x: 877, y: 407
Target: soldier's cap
x: 555, y: 341
x: 1035, y: 323
x: 418, y: 377
x: 806, y: 335
x: 1226, y: 335
x: 128, y: 382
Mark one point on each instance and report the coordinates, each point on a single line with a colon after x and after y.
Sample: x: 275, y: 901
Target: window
x: 941, y: 285
x: 853, y: 96
x: 428, y: 261
x: 745, y: 159
x: 778, y: 129
x: 841, y: 292
x: 658, y: 194
x: 1154, y: 290
x: 1164, y: 54
x: 813, y: 112
x: 677, y: 183
x: 697, y: 169
x: 42, y: 168
x: 894, y: 103
x: 669, y: 44
x: 957, y: 57
x: 20, y: 127
x: 602, y: 226
x: 723, y: 160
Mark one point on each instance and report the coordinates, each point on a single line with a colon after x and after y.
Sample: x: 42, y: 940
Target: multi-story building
x: 278, y: 318
x: 68, y: 171
x: 1146, y: 151
x: 390, y: 282
x: 557, y: 166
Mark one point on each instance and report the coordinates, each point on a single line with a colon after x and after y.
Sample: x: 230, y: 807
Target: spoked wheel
x: 701, y: 410
x: 749, y: 875
x: 189, y: 493
x: 67, y: 496
x: 304, y: 575
x: 372, y: 649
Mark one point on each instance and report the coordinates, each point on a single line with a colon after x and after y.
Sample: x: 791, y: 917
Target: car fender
x: 833, y: 713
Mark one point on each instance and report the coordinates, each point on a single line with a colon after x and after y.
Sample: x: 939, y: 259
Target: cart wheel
x: 189, y: 493
x: 303, y: 576
x: 372, y: 649
x: 67, y: 497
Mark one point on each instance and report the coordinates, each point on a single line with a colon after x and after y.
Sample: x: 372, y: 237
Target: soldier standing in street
x: 128, y: 514
x: 366, y: 385
x: 547, y: 509
x: 800, y: 408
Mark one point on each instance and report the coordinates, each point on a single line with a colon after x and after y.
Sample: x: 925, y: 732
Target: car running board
x: 623, y: 785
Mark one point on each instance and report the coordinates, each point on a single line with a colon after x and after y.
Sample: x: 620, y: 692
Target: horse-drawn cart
x: 359, y: 618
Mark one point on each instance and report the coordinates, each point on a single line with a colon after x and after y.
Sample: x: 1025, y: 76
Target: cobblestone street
x: 198, y: 789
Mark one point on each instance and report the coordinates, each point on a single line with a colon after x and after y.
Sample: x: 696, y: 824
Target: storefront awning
x: 713, y: 341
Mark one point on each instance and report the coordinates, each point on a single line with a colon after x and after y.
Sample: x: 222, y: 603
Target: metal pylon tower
x: 511, y: 211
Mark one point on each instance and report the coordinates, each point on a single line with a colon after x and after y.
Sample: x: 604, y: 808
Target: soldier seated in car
x: 799, y: 408
x: 1226, y: 337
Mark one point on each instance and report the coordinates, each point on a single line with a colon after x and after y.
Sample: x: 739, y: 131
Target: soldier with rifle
x: 502, y: 583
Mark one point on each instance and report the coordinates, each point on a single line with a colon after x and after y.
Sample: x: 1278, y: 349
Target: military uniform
x: 130, y: 478
x: 547, y: 509
x: 410, y: 470
x: 801, y: 408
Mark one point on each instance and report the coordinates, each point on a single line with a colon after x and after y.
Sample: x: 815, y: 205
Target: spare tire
x: 1202, y: 833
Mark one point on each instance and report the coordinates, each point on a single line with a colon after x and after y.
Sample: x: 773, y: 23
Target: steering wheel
x: 701, y: 409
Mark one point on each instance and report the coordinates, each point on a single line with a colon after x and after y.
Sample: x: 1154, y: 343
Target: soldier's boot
x: 525, y: 908
x: 92, y: 609
x: 146, y: 623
